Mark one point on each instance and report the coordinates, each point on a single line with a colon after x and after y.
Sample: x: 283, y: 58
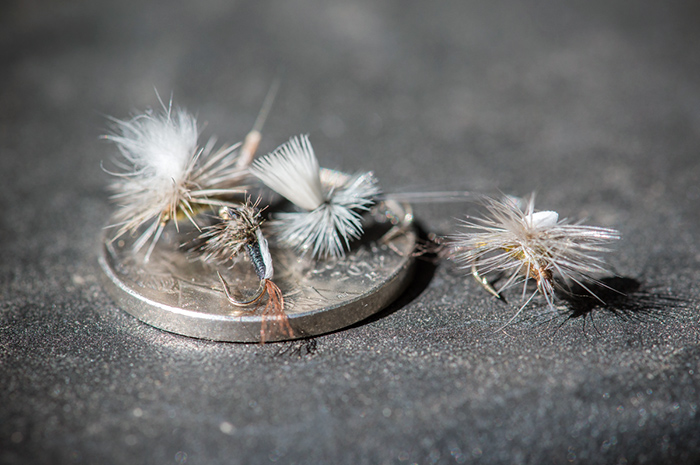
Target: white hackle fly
x: 521, y: 245
x: 330, y: 203
x: 238, y: 229
x: 164, y: 174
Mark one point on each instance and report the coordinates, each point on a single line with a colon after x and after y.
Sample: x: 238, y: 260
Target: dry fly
x: 238, y: 229
x: 524, y: 245
x: 329, y: 203
x: 164, y: 174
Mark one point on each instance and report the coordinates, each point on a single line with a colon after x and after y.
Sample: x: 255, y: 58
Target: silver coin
x: 178, y: 292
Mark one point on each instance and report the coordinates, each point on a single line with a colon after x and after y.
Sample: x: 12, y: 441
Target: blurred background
x: 593, y: 104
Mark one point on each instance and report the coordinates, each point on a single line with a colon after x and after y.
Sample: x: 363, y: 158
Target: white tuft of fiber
x: 292, y: 171
x: 159, y: 146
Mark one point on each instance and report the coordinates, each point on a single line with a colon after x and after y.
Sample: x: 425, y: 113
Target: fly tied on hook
x: 524, y: 245
x: 329, y: 204
x: 238, y: 229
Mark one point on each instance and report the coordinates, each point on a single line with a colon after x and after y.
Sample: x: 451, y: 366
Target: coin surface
x: 178, y: 292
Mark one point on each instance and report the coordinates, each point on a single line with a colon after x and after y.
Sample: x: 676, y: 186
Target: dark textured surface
x: 596, y: 105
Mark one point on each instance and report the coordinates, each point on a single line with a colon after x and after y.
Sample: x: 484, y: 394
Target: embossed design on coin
x: 177, y: 292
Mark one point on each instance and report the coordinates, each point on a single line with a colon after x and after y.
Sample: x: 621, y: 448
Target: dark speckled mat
x: 593, y: 104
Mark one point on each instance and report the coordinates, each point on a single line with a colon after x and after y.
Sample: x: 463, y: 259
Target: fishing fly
x: 330, y: 203
x: 238, y: 229
x: 523, y: 245
x: 165, y: 175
